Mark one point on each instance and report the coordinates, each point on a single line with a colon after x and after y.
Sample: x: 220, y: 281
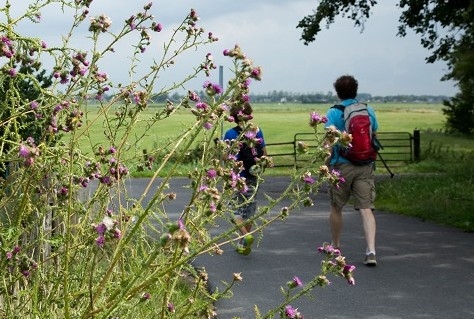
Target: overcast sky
x: 266, y: 30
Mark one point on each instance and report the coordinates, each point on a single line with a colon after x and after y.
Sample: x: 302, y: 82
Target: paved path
x: 424, y: 270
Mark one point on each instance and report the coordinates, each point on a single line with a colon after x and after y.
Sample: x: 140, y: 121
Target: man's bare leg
x: 335, y: 222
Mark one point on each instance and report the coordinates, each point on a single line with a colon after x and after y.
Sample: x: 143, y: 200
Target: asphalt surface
x: 424, y: 270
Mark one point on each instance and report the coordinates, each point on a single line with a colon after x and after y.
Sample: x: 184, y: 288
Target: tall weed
x: 74, y: 241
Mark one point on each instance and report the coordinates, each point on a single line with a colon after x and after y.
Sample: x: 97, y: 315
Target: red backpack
x: 357, y: 123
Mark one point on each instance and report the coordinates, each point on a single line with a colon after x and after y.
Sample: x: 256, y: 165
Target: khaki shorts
x: 359, y: 182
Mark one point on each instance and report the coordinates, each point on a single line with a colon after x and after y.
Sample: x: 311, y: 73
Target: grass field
x: 280, y: 122
x: 392, y: 117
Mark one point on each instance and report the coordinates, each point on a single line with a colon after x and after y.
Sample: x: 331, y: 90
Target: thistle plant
x: 73, y: 242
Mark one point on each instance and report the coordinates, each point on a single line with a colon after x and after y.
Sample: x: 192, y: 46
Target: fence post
x: 416, y: 145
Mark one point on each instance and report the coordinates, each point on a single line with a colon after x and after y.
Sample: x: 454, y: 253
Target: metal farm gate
x: 398, y: 148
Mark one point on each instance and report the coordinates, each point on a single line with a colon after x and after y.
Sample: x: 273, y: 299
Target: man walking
x: 358, y: 175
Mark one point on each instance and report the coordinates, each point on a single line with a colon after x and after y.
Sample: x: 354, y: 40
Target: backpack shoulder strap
x: 342, y: 107
x: 354, y: 109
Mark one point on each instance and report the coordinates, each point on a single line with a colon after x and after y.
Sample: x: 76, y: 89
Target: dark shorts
x: 359, y: 182
x: 246, y: 202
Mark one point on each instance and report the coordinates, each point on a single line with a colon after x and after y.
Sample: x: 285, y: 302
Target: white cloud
x: 266, y: 30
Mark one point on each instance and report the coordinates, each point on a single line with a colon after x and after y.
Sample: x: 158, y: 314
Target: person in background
x: 252, y: 145
x: 359, y: 179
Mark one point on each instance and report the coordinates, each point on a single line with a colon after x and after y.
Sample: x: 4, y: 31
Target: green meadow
x: 280, y: 122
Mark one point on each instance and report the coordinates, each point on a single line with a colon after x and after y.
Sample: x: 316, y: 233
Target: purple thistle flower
x: 63, y: 191
x: 181, y: 224
x: 207, y: 125
x: 211, y: 173
x: 348, y: 269
x: 122, y: 170
x: 250, y: 134
x: 102, y: 77
x: 117, y: 233
x: 6, y: 40
x: 202, y: 106
x: 290, y: 312
x: 335, y: 173
x: 6, y: 52
x: 217, y: 89
x: 193, y: 96
x: 316, y: 119
x: 106, y: 180
x: 329, y: 249
x: 85, y: 182
x: 297, y: 281
x: 244, y: 189
x: 101, y: 229
x: 23, y: 151
x: 256, y: 73
x: 212, y: 207
x: 64, y: 79
x: 308, y: 179
x: 157, y: 27
x: 246, y: 83
x: 12, y: 72
x: 100, y: 241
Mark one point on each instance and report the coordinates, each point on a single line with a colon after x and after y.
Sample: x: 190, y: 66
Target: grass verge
x: 440, y: 188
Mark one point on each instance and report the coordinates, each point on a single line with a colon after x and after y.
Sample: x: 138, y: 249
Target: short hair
x: 346, y: 87
x: 237, y: 110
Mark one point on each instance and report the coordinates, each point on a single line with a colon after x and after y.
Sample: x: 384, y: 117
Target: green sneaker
x: 244, y: 247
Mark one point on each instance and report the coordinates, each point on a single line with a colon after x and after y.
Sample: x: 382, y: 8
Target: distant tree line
x: 314, y: 98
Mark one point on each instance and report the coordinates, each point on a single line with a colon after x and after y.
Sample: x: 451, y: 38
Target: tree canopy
x: 446, y: 28
x: 442, y: 24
